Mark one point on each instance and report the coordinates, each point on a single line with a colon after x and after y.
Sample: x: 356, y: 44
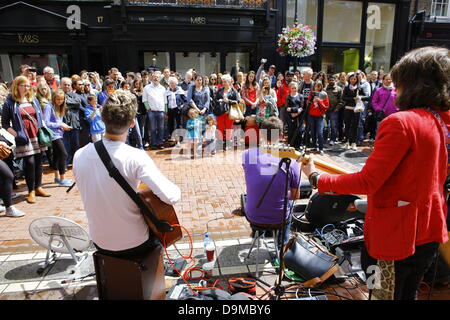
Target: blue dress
x: 194, y: 128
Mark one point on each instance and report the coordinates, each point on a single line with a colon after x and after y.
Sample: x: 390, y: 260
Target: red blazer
x: 403, y: 179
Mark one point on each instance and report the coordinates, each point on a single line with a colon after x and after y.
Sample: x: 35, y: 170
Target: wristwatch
x: 314, y: 179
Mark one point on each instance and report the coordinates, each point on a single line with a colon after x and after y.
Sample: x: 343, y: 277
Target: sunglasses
x: 25, y: 86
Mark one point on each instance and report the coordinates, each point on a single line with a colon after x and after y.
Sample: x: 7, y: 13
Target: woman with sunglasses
x: 22, y: 117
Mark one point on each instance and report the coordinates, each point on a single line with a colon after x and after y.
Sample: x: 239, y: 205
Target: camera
x: 32, y: 69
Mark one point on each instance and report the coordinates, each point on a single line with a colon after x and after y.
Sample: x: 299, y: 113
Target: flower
x: 298, y: 41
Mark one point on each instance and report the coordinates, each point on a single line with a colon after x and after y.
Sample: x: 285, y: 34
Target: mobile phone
x: 263, y: 61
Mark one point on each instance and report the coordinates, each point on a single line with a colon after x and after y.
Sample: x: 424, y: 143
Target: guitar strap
x: 161, y: 226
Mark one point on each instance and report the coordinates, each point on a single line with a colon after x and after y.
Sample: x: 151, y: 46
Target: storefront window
x: 243, y: 58
x: 380, y: 30
x: 306, y: 12
x: 342, y: 21
x: 157, y: 59
x: 335, y: 60
x: 204, y: 63
x: 9, y: 64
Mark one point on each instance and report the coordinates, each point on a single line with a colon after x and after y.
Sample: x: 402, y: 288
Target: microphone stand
x: 279, y: 289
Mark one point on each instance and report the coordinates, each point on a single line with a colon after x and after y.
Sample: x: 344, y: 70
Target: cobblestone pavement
x: 211, y: 189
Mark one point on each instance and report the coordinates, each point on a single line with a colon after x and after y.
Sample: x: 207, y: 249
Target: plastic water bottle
x: 206, y: 241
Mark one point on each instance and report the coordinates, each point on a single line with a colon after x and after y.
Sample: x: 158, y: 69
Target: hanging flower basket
x: 297, y: 41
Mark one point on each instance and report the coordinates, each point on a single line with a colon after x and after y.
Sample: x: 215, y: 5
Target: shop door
x: 336, y: 60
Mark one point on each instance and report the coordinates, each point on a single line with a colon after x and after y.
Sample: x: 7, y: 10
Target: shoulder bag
x: 306, y: 258
x: 379, y: 114
x: 44, y: 134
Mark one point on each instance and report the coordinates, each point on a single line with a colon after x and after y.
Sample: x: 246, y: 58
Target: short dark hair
x: 422, y: 77
x: 272, y: 128
x: 118, y: 112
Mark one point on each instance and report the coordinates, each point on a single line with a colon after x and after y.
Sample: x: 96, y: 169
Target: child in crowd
x: 210, y: 136
x: 54, y: 113
x: 293, y: 107
x: 194, y: 134
x: 93, y: 115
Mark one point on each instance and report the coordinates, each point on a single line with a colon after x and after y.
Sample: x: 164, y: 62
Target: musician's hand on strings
x: 308, y: 167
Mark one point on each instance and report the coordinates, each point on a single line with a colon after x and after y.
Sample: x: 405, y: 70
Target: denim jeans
x: 142, y: 120
x: 211, y: 145
x: 333, y: 125
x: 71, y: 141
x: 157, y: 127
x: 361, y: 126
x: 134, y: 136
x: 316, y: 125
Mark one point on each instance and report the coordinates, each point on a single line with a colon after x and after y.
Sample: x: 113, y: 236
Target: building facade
x: 429, y: 23
x: 210, y: 35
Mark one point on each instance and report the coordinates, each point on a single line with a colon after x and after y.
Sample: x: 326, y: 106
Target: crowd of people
x: 202, y: 113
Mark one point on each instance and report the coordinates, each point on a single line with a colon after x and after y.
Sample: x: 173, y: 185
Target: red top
x: 403, y: 178
x: 249, y: 93
x: 282, y: 93
x: 30, y: 127
x: 319, y: 107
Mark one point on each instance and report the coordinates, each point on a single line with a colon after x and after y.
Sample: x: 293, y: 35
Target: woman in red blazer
x: 404, y: 176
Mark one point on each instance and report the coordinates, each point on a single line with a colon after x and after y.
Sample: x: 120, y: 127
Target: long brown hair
x: 422, y: 79
x: 15, y: 89
x: 61, y: 109
x: 247, y: 82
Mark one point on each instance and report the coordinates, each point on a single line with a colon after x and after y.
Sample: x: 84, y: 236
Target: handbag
x: 379, y: 114
x: 235, y: 112
x: 306, y: 258
x: 45, y: 134
x: 4, y: 151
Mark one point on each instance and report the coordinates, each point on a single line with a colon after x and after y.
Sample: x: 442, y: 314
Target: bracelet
x: 314, y: 179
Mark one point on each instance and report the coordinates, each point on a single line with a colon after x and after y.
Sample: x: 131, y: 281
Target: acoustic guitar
x: 283, y: 151
x: 163, y: 212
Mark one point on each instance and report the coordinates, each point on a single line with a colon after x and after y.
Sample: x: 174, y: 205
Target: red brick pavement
x: 211, y: 189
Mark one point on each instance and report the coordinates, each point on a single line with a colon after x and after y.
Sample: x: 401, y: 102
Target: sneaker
x: 2, y: 208
x: 354, y: 147
x: 13, y: 212
x: 65, y: 183
x: 178, y: 145
x: 331, y: 143
x: 321, y: 152
x: 347, y: 145
x: 56, y: 180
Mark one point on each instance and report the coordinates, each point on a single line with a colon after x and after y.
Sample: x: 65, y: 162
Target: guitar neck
x: 325, y: 166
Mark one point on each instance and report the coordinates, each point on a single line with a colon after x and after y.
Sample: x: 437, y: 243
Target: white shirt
x: 115, y: 221
x: 154, y: 95
x: 210, y: 132
x: 172, y: 99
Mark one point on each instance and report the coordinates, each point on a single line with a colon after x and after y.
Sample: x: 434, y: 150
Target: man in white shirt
x: 116, y: 225
x: 153, y: 99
